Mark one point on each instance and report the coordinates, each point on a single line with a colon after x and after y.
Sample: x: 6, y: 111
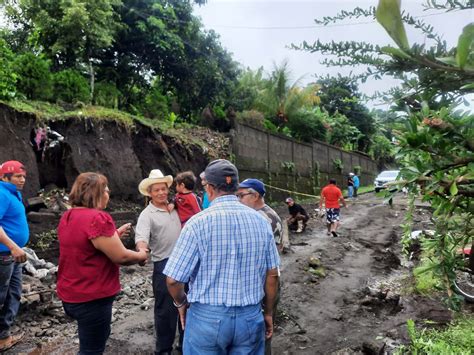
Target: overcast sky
x: 258, y: 32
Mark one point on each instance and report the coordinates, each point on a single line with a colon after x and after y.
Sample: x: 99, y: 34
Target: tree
x: 33, y: 76
x: 280, y: 100
x: 7, y: 73
x: 68, y: 32
x: 247, y: 89
x: 340, y: 95
x: 164, y: 40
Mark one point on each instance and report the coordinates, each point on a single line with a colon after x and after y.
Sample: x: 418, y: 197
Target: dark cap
x: 255, y: 184
x: 222, y: 173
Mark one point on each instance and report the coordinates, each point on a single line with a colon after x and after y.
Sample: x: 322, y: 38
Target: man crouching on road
x: 14, y: 234
x: 251, y: 193
x: 228, y: 255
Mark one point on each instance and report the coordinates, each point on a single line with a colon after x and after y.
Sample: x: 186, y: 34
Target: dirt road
x: 339, y: 295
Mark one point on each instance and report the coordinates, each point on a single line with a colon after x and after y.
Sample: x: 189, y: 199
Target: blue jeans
x: 10, y: 293
x: 350, y: 191
x: 224, y: 330
x: 93, y: 323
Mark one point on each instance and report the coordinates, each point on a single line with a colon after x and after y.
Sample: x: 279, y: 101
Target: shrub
x: 156, y: 103
x: 306, y: 126
x: 251, y: 118
x: 70, y: 86
x: 34, y: 76
x: 106, y: 94
x: 455, y: 339
x: 7, y: 73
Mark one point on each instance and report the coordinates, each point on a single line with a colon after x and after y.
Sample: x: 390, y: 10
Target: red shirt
x: 85, y: 273
x: 187, y: 206
x: 331, y: 194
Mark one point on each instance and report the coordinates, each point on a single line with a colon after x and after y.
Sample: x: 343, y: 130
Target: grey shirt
x: 159, y: 229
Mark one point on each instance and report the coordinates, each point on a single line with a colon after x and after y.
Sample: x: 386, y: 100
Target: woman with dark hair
x: 90, y: 252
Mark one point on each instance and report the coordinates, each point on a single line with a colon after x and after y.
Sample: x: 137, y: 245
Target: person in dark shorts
x: 330, y: 196
x: 298, y: 216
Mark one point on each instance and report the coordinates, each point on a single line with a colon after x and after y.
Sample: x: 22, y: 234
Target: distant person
x: 330, y: 197
x: 14, y: 234
x: 228, y: 255
x: 158, y: 229
x: 298, y: 216
x: 90, y: 252
x: 205, y: 198
x: 355, y: 178
x: 251, y: 193
x: 350, y: 185
x: 185, y: 201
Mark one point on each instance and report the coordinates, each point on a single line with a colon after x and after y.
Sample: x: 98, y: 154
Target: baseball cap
x: 255, y: 184
x: 289, y: 199
x: 12, y: 167
x: 222, y: 172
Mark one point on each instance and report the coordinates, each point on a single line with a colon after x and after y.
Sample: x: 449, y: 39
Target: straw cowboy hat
x: 155, y: 177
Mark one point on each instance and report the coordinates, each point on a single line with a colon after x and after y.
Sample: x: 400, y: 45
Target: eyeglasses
x: 240, y: 196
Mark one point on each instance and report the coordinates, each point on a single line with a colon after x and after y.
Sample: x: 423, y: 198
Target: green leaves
x: 453, y: 190
x: 389, y: 16
x: 395, y: 52
x: 465, y: 45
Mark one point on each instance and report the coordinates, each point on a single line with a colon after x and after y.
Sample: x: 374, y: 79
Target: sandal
x: 11, y: 341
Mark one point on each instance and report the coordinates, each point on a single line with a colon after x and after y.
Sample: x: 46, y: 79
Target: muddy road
x: 345, y: 295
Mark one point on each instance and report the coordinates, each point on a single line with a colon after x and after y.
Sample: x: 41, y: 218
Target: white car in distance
x: 385, y: 177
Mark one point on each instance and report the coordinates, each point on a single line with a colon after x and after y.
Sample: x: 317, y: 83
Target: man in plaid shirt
x: 228, y: 255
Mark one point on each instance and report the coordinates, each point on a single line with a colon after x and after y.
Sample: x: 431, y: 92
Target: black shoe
x: 334, y: 234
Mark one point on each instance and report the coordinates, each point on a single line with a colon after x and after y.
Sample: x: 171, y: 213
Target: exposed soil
x: 360, y: 306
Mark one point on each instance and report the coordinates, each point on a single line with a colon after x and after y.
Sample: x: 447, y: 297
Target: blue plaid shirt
x: 224, y: 253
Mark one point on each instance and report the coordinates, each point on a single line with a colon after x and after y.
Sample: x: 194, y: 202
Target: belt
x: 3, y: 253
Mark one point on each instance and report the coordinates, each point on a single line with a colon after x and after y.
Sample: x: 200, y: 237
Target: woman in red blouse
x: 90, y: 252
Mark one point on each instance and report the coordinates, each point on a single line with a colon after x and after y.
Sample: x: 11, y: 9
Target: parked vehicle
x: 385, y: 177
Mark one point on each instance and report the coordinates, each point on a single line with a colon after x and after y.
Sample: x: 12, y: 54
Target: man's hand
x: 19, y: 255
x: 182, y: 315
x: 268, y: 326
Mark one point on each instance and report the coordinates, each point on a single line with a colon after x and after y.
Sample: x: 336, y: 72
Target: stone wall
x: 286, y: 163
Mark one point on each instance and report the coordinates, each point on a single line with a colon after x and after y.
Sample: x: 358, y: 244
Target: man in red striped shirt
x: 330, y: 196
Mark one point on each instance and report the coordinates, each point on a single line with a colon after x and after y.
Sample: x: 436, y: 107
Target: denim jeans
x: 93, y: 323
x: 166, y: 314
x: 350, y: 191
x: 10, y: 293
x: 223, y: 330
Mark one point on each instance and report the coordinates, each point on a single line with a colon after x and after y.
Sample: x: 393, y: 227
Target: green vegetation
x: 457, y: 339
x: 45, y: 239
x: 143, y: 57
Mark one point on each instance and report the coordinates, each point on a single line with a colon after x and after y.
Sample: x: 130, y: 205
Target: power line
x: 310, y: 26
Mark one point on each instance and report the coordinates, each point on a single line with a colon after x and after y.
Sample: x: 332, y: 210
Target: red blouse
x: 85, y: 273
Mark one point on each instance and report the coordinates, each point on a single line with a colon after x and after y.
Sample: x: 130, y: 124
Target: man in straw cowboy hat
x: 228, y: 255
x: 158, y: 229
